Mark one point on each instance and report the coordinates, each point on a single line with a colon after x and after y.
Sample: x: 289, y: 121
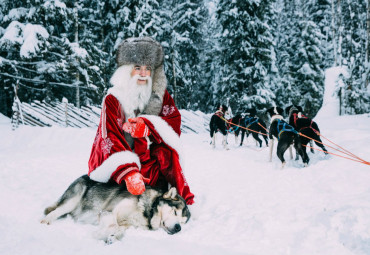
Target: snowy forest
x: 243, y: 53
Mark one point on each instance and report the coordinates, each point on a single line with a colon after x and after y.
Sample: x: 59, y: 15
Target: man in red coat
x: 138, y: 138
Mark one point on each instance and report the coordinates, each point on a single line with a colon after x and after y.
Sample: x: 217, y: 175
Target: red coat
x: 158, y: 159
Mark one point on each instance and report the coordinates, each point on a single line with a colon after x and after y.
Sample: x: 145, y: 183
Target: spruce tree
x: 355, y: 95
x: 247, y: 46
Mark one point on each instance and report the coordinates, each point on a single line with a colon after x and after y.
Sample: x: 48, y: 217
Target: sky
x: 243, y: 203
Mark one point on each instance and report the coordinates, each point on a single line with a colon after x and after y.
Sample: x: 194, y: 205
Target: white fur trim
x: 103, y: 172
x: 166, y: 132
x: 276, y: 117
x: 130, y: 96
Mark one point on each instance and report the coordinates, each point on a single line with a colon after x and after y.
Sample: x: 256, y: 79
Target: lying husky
x: 115, y: 209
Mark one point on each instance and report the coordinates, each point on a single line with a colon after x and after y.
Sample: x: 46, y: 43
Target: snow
x: 30, y: 36
x: 330, y: 106
x: 243, y: 205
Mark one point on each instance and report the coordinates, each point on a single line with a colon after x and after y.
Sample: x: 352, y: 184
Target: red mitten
x: 136, y: 127
x: 135, y: 183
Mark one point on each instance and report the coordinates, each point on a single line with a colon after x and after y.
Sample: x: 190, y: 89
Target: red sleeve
x: 111, y: 156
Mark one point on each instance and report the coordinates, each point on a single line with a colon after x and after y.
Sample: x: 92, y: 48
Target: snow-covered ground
x: 244, y: 204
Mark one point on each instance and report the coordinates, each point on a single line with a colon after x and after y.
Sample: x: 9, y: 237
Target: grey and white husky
x: 112, y: 207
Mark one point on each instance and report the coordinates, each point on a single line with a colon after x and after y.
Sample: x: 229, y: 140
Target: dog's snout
x: 177, y: 228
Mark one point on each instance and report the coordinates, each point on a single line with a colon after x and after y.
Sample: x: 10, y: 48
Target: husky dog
x: 304, y: 125
x: 252, y: 122
x: 218, y: 124
x: 115, y: 209
x: 286, y: 136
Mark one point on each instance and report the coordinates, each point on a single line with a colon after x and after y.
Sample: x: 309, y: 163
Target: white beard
x: 132, y: 96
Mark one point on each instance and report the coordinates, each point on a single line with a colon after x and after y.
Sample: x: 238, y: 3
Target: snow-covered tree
x: 356, y: 98
x: 39, y: 49
x: 247, y: 53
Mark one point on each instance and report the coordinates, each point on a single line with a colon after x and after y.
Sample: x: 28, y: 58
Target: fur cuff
x: 104, y: 172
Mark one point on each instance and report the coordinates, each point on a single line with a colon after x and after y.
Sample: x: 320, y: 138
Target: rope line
x: 356, y: 160
x: 241, y: 126
x: 344, y: 151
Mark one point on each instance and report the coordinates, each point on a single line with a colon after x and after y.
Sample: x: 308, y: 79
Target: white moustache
x: 143, y: 78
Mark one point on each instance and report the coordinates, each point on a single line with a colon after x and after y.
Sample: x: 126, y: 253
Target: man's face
x: 144, y: 73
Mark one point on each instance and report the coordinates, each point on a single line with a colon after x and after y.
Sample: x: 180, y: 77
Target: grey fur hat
x: 146, y: 51
x: 140, y: 51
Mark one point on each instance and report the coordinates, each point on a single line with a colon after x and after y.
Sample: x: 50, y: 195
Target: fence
x: 61, y: 114
x: 65, y: 114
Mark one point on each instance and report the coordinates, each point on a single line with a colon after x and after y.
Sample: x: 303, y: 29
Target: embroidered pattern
x: 168, y: 110
x: 120, y: 122
x: 106, y: 145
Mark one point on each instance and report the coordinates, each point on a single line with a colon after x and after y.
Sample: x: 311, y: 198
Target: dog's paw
x: 110, y: 240
x: 45, y: 221
x: 283, y: 165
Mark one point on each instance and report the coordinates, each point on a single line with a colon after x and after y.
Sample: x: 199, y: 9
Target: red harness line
x: 242, y: 127
x: 344, y: 151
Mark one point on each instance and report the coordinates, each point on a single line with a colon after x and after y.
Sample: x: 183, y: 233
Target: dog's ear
x: 280, y: 110
x: 268, y: 111
x: 171, y: 194
x: 287, y: 109
x: 271, y: 111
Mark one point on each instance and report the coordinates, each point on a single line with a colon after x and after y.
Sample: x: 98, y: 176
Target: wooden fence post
x: 15, y: 116
x: 65, y: 101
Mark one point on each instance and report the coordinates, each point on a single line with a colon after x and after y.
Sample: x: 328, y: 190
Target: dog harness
x: 231, y: 129
x: 249, y: 121
x: 219, y: 113
x: 296, y: 117
x: 282, y: 126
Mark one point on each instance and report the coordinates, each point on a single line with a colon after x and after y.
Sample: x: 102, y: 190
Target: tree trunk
x: 76, y: 41
x: 174, y: 76
x: 173, y: 63
x: 333, y: 24
x: 340, y: 33
x: 367, y: 43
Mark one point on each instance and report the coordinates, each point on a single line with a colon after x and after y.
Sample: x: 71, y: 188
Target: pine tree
x: 52, y: 64
x: 181, y: 37
x: 309, y: 77
x: 320, y: 13
x: 356, y: 98
x: 248, y: 57
x: 210, y: 63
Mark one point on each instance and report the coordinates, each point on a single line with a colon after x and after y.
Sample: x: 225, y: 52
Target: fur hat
x: 140, y: 51
x: 146, y: 51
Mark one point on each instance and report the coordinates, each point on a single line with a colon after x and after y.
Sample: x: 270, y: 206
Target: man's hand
x: 136, y: 127
x: 135, y: 183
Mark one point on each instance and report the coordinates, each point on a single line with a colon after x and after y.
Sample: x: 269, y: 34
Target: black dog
x: 286, y: 136
x: 304, y: 125
x: 249, y: 123
x: 218, y: 124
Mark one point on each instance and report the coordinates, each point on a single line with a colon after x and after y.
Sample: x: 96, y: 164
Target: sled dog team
x: 297, y: 132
